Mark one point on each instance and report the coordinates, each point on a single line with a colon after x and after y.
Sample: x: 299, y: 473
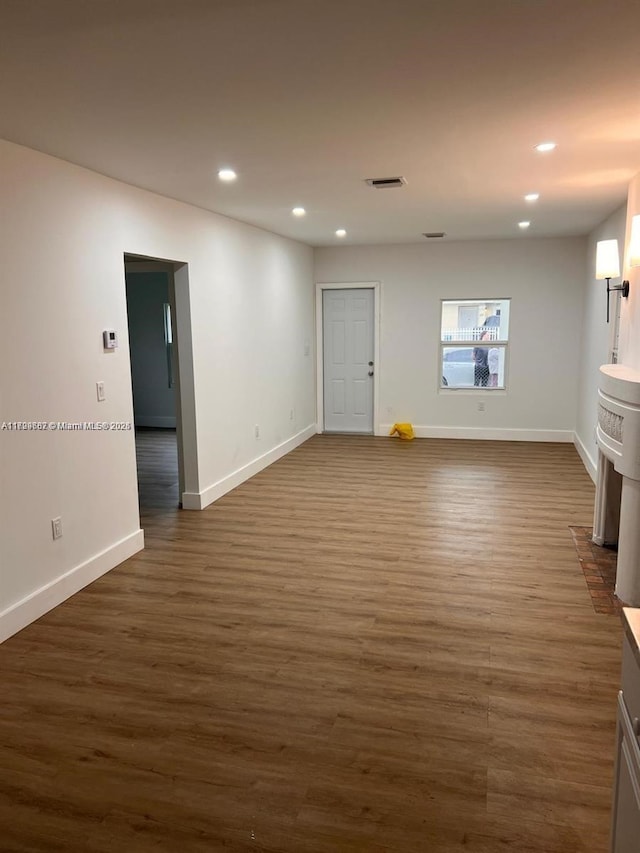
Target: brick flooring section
x: 599, y: 567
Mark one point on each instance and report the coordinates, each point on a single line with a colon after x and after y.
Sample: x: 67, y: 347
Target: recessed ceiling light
x: 298, y: 211
x: 532, y: 197
x: 545, y: 146
x: 523, y: 224
x: 341, y: 232
x: 227, y: 175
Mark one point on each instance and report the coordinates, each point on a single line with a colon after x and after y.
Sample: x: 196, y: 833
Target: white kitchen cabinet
x: 625, y: 830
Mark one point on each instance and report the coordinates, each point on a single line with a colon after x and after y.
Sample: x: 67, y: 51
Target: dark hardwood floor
x: 157, y: 459
x: 373, y: 645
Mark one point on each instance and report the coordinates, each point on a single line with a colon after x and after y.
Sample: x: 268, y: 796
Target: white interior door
x: 467, y: 317
x: 348, y: 368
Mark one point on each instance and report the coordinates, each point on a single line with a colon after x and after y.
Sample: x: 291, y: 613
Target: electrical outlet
x: 307, y: 348
x: 100, y: 391
x: 481, y: 407
x: 56, y: 527
x: 257, y: 431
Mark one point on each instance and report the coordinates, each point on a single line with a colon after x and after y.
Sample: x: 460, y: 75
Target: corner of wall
x: 200, y: 500
x: 587, y: 460
x: 41, y: 601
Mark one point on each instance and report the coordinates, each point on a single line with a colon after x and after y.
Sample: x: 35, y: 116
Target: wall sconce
x: 608, y: 266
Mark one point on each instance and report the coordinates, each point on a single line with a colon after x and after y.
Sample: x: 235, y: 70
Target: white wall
x: 544, y: 278
x: 596, y: 338
x: 630, y: 308
x: 64, y: 232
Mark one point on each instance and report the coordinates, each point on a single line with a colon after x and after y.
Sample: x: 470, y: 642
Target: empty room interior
x: 320, y: 426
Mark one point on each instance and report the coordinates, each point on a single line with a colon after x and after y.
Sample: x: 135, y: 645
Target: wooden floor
x: 373, y: 645
x: 157, y: 458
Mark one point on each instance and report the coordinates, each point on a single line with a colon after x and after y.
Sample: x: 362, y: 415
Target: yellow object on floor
x: 403, y: 430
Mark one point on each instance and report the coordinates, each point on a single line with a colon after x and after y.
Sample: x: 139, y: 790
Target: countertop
x: 631, y: 622
x: 620, y: 382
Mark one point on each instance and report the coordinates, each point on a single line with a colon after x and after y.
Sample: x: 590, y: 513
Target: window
x: 474, y: 335
x: 168, y: 343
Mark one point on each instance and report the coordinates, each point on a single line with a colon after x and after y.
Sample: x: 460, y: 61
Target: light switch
x: 100, y: 391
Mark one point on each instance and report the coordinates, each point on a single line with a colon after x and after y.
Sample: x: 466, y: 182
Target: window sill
x: 474, y: 392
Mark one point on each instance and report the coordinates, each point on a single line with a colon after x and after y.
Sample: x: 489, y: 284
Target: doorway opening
x: 159, y: 329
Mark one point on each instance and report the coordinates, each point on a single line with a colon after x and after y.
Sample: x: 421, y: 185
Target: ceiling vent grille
x: 432, y: 235
x: 385, y: 183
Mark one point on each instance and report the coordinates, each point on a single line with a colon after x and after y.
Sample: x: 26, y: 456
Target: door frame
x: 347, y: 285
x: 186, y: 430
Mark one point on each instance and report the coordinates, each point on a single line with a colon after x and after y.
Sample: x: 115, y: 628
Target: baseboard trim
x: 587, y: 460
x: 200, y: 500
x: 33, y: 606
x: 488, y: 433
x: 155, y: 421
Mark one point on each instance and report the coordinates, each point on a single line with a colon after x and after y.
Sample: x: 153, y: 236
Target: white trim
x: 157, y: 421
x: 377, y: 319
x: 587, y: 460
x: 473, y: 390
x: 200, y: 500
x: 489, y: 434
x: 33, y: 606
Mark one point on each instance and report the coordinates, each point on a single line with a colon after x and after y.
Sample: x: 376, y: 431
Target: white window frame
x: 466, y: 343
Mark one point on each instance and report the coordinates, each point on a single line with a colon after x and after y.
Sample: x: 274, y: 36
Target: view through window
x: 474, y: 335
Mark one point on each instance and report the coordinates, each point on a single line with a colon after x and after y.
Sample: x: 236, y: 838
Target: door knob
x: 371, y: 373
x: 370, y: 364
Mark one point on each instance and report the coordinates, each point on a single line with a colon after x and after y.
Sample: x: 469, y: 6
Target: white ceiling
x: 307, y: 98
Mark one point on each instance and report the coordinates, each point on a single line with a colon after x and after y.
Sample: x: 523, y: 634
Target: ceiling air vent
x: 385, y: 183
x: 432, y: 235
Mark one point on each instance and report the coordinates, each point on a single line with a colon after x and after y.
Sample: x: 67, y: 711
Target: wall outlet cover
x: 56, y: 527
